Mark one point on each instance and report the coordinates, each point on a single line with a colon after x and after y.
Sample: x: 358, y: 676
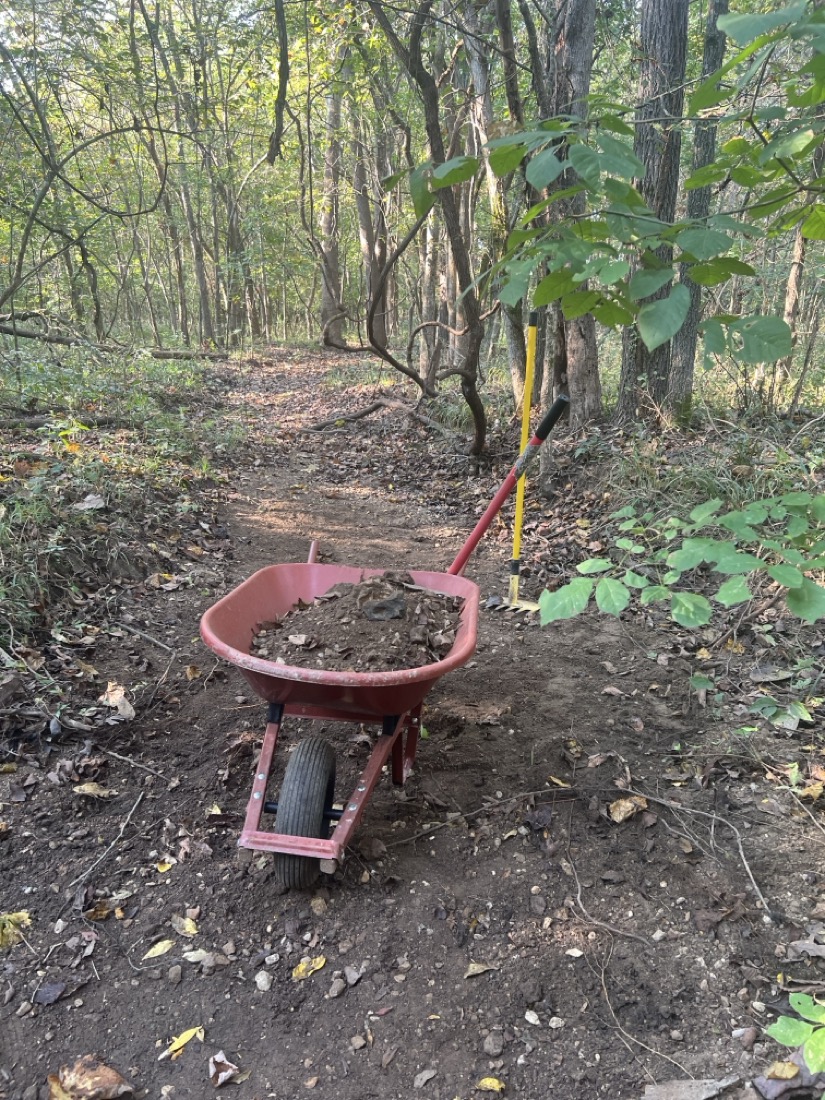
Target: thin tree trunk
x: 698, y: 206
x: 332, y: 322
x: 664, y: 26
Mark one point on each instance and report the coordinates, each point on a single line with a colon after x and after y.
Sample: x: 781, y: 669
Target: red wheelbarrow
x: 311, y: 834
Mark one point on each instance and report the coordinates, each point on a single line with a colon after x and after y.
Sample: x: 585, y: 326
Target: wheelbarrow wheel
x: 307, y: 792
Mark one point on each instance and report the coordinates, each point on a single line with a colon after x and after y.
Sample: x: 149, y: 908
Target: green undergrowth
x: 94, y: 498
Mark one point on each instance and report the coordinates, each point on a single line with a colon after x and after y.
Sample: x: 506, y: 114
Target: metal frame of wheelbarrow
x: 392, y: 699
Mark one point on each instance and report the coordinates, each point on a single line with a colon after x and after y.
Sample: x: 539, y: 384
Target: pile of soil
x: 383, y: 623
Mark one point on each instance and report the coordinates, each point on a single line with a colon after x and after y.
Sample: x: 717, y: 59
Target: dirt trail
x: 493, y: 922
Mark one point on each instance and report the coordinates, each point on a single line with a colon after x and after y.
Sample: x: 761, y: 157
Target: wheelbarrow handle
x: 509, y: 483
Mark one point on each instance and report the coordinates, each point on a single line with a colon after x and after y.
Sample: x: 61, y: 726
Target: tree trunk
x: 332, y: 322
x: 576, y: 23
x: 698, y: 206
x: 411, y: 58
x: 663, y: 35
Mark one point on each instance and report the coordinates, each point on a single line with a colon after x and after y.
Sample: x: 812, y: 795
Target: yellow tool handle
x: 529, y: 375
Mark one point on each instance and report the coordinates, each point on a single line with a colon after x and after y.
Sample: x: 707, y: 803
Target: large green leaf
x: 566, y: 602
x: 543, y: 169
x: 703, y: 243
x: 789, y: 576
x: 645, y: 283
x: 790, y: 1032
x: 506, y: 158
x: 655, y: 593
x: 422, y: 197
x: 734, y: 591
x: 690, y: 610
x: 579, y: 302
x: 594, y: 565
x: 552, y: 286
x: 618, y: 159
x: 659, y: 321
x: 764, y: 339
x: 814, y: 1050
x: 807, y: 601
x: 814, y: 225
x: 744, y: 28
x: 454, y: 171
x: 612, y: 597
x: 806, y: 1007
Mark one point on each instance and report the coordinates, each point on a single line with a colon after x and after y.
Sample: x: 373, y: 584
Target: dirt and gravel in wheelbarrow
x: 311, y: 833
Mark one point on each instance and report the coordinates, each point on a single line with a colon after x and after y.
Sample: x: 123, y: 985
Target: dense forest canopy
x: 412, y: 180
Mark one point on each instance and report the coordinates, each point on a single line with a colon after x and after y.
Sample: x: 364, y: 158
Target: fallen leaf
x: 184, y: 926
x: 557, y: 782
x: 610, y: 690
x: 178, y: 1043
x: 158, y: 949
x: 308, y: 966
x: 782, y: 1071
x: 476, y: 968
x: 87, y: 1079
x: 812, y: 791
x: 703, y: 654
x: 164, y: 865
x: 624, y: 808
x: 115, y: 696
x: 100, y: 911
x: 49, y: 992
x: 91, y: 502
x: 221, y: 1070
x: 196, y: 956
x: 192, y: 672
x: 609, y: 667
x: 421, y: 1079
x: 10, y: 925
x: 734, y: 647
x: 490, y: 1084
x: 93, y: 790
x: 8, y: 769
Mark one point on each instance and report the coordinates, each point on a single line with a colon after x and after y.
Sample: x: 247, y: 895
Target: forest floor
x: 500, y: 924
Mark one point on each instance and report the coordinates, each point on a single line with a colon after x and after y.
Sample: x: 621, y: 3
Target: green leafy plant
x: 807, y: 1032
x: 781, y: 539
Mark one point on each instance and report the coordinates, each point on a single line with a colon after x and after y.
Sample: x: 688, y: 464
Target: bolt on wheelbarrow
x: 310, y: 834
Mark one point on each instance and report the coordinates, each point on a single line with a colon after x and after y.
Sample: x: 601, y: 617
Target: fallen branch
x: 39, y: 420
x: 115, y: 842
x: 384, y: 403
x: 106, y: 349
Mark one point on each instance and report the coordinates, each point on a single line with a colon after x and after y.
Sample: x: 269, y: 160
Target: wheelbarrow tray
x: 230, y: 625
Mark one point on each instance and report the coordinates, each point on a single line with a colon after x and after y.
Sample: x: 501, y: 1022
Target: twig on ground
x: 146, y: 637
x: 626, y: 1034
x: 802, y: 806
x: 115, y: 842
x: 749, y: 613
x: 132, y: 763
x: 724, y: 821
x: 592, y: 920
x: 162, y: 680
x: 472, y: 813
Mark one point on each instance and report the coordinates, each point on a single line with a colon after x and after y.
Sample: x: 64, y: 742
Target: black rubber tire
x: 307, y: 791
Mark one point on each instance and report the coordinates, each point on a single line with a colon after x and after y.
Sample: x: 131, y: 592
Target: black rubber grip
x: 553, y: 414
x: 515, y: 567
x: 534, y: 319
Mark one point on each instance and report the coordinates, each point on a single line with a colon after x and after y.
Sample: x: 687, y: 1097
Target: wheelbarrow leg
x: 404, y: 747
x: 254, y: 809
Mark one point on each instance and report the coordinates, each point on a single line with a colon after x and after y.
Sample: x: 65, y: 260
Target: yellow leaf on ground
x: 812, y: 791
x: 158, y: 949
x: 734, y: 647
x: 87, y: 1077
x: 782, y: 1071
x: 557, y: 782
x: 177, y: 1044
x: 476, y: 968
x: 164, y: 866
x: 10, y: 925
x: 624, y: 808
x: 192, y: 672
x: 93, y: 790
x: 308, y: 966
x: 490, y: 1084
x: 184, y: 926
x: 703, y: 654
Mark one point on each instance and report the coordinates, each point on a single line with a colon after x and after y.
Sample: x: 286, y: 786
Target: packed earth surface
x: 593, y: 884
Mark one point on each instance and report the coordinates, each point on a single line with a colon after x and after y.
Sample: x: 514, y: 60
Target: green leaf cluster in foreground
x: 807, y: 1032
x: 781, y: 539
